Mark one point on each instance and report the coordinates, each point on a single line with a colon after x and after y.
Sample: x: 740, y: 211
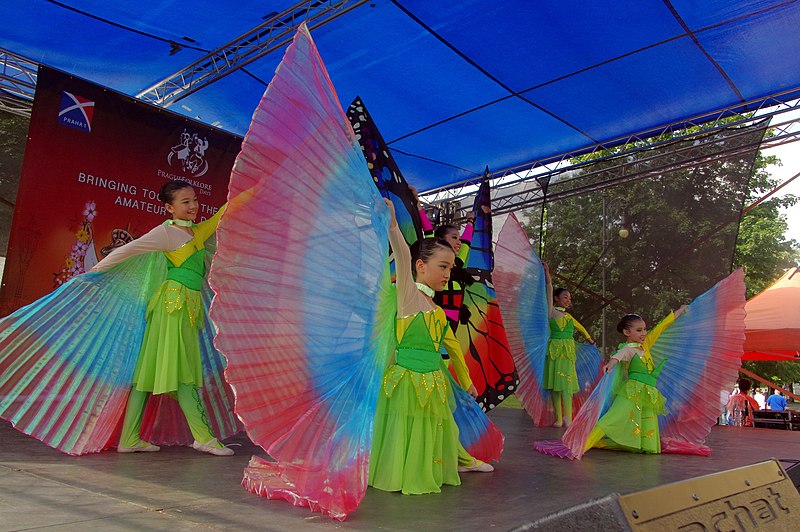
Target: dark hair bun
x: 425, y: 248
x: 442, y: 230
x: 167, y: 192
x: 627, y: 321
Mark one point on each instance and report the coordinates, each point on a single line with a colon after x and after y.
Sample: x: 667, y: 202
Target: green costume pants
x: 190, y: 404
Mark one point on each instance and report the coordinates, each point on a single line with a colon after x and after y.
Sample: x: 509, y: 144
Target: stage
x: 181, y: 489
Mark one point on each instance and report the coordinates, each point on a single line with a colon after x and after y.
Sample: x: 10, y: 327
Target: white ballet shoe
x: 141, y: 447
x: 212, y: 447
x: 476, y: 467
x: 558, y: 424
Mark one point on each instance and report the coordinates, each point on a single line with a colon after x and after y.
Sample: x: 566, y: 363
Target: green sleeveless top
x: 417, y: 350
x: 190, y: 272
x: 557, y: 333
x: 637, y: 371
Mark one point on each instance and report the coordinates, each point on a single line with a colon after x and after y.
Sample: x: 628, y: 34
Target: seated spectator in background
x: 743, y: 403
x: 760, y: 399
x: 776, y: 401
x: 724, y: 397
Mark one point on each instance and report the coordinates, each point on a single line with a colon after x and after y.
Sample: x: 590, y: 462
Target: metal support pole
x: 604, y: 243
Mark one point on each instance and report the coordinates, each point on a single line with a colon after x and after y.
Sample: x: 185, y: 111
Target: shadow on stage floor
x: 181, y: 489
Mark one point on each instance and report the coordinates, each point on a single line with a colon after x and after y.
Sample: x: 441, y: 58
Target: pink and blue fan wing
x: 572, y: 443
x: 588, y: 362
x: 303, y: 294
x: 521, y: 290
x: 67, y: 359
x: 703, y: 350
x: 476, y: 432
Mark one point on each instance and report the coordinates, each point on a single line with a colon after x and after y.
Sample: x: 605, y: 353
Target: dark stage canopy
x: 453, y: 86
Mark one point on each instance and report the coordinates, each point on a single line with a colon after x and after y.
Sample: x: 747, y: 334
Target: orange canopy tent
x: 772, y: 325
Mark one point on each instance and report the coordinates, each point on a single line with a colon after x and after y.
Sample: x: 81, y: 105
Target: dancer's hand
x: 547, y: 278
x: 608, y: 367
x: 680, y: 310
x: 391, y: 211
x: 472, y: 391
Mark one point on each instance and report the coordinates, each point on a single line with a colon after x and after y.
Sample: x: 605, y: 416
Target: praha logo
x: 76, y: 111
x: 190, y: 154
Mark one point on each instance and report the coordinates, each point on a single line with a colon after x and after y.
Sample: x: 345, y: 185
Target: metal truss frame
x: 513, y: 188
x: 275, y: 33
x: 17, y: 83
x: 524, y: 186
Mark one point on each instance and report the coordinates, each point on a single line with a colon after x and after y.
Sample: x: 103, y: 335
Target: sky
x: 789, y: 154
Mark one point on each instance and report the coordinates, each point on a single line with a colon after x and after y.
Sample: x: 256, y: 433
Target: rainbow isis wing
x: 483, y: 336
x: 476, y: 432
x: 216, y: 393
x: 67, y: 359
x: 588, y: 363
x: 303, y: 295
x: 384, y: 171
x: 521, y: 290
x: 703, y: 351
x: 572, y: 444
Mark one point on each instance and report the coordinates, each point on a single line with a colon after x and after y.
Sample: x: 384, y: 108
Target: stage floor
x: 181, y: 489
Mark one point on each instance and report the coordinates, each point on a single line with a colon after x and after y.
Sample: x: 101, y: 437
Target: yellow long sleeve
x: 581, y: 329
x: 206, y: 228
x: 457, y: 357
x: 656, y: 331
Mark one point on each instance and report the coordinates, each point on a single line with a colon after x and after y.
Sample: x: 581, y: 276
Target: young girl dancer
x: 415, y: 446
x: 631, y: 422
x: 560, y: 375
x: 67, y: 382
x: 169, y: 359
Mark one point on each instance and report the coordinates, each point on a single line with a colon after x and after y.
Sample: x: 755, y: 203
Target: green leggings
x: 190, y: 403
x: 562, y: 413
x: 464, y: 458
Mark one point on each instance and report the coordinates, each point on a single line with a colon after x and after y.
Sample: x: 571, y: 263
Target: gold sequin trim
x: 634, y: 393
x: 176, y: 298
x: 424, y: 383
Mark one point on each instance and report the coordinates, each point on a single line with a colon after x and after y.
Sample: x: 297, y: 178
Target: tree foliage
x: 13, y: 134
x: 761, y: 248
x: 779, y: 372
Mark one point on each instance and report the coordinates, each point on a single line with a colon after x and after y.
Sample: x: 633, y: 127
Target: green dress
x: 415, y: 440
x: 170, y: 352
x: 632, y: 421
x: 559, y: 366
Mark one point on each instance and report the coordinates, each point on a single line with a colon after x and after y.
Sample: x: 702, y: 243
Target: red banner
x: 94, y: 162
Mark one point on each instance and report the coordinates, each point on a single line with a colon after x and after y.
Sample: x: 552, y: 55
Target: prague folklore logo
x: 190, y: 154
x: 76, y: 112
